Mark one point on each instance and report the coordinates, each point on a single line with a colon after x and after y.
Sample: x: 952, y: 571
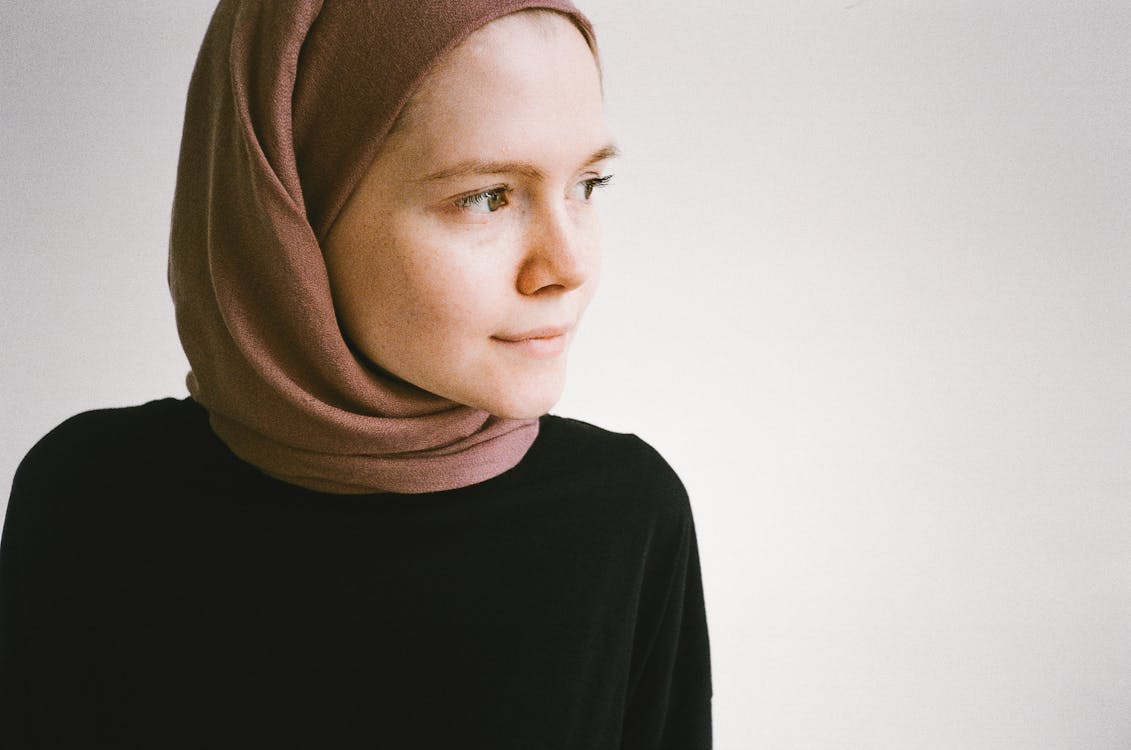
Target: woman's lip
x: 546, y: 332
x: 541, y: 343
x: 544, y: 347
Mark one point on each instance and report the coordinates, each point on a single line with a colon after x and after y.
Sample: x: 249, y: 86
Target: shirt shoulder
x: 89, y: 438
x: 106, y: 450
x: 618, y: 462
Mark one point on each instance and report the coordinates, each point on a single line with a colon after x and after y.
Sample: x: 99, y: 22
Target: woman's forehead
x: 516, y: 82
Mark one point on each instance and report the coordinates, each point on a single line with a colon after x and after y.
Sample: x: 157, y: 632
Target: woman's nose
x: 561, y: 251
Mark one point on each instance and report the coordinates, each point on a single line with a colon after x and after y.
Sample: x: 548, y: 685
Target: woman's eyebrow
x: 472, y: 167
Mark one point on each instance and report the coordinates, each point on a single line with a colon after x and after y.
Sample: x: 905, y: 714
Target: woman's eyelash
x: 596, y: 182
x: 495, y: 198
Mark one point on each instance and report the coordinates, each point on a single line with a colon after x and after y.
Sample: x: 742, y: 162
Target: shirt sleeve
x: 669, y: 701
x: 32, y: 546
x: 14, y: 729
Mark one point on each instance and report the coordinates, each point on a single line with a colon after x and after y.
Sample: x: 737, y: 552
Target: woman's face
x: 464, y: 260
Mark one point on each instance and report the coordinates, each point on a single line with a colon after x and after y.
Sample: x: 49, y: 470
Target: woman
x: 362, y: 528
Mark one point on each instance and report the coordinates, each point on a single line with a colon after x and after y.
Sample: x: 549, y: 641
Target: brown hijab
x: 288, y: 105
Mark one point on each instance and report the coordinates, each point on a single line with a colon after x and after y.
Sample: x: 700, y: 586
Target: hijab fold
x: 288, y: 106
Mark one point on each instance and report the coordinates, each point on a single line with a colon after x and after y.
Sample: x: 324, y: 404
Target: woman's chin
x: 529, y: 403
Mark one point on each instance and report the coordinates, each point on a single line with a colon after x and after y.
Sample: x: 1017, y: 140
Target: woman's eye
x: 486, y: 202
x: 586, y: 187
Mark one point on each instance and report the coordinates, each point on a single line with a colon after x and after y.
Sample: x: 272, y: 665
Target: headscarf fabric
x: 288, y: 105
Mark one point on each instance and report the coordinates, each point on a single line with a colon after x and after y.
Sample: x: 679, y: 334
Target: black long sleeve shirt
x: 157, y: 592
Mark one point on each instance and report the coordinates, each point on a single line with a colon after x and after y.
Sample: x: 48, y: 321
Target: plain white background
x: 867, y: 286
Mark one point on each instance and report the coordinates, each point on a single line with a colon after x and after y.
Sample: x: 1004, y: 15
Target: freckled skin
x: 422, y: 280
